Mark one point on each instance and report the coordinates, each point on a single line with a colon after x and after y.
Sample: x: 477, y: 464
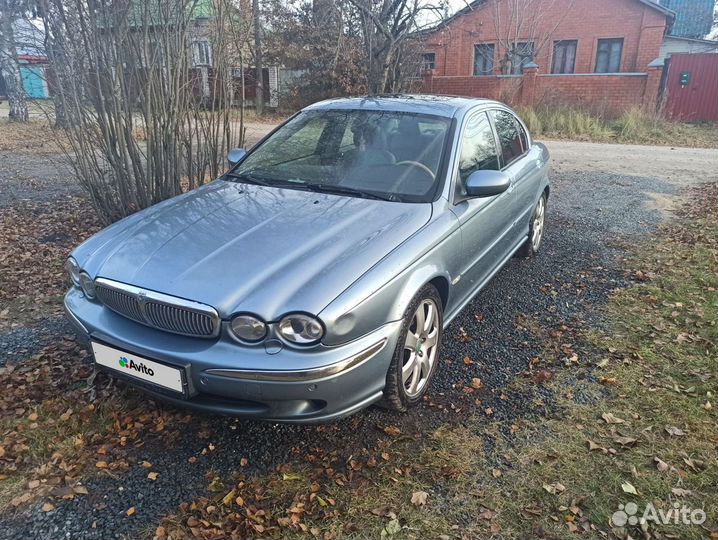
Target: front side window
x: 564, y: 56
x: 608, y: 55
x: 484, y: 59
x: 374, y: 154
x: 510, y: 134
x: 478, y: 147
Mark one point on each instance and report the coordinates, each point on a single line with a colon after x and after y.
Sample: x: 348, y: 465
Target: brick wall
x: 641, y: 27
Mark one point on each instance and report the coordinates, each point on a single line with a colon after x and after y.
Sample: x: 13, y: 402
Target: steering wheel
x: 418, y: 165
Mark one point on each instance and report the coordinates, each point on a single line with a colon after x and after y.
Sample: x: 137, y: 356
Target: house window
x: 202, y: 53
x: 564, y: 56
x: 608, y: 55
x: 522, y: 54
x: 484, y: 59
x: 428, y: 61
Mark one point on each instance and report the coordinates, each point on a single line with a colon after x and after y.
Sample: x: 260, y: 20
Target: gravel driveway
x: 604, y: 199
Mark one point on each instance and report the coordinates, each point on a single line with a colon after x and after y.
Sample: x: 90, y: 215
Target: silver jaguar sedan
x: 317, y: 275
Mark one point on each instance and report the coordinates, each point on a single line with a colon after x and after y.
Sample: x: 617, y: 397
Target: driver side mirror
x: 234, y: 155
x: 486, y: 183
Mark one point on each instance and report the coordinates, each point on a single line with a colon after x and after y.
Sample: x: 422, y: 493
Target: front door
x: 486, y: 222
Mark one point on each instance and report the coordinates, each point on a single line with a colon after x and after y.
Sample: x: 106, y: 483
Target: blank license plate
x: 138, y: 367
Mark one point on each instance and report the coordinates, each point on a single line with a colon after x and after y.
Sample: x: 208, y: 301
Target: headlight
x: 301, y: 329
x: 74, y: 270
x: 88, y: 286
x: 248, y: 328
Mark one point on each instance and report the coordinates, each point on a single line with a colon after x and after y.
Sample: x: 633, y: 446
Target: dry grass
x: 635, y: 126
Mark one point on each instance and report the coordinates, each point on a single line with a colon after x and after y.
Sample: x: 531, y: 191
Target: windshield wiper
x: 342, y: 190
x: 248, y: 177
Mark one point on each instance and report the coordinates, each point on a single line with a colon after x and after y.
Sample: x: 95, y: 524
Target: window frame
x: 599, y: 42
x: 560, y: 42
x: 197, y: 50
x: 520, y: 71
x: 424, y: 61
x: 493, y: 60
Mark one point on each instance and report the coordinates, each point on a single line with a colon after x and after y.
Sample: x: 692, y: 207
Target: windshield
x: 378, y: 154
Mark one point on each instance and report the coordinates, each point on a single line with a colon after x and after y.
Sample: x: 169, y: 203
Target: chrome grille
x: 158, y: 310
x: 121, y: 302
x: 179, y: 320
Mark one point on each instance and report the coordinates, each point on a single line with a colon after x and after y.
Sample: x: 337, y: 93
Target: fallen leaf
x: 419, y: 498
x: 680, y: 492
x: 476, y: 383
x: 661, y: 465
x: 624, y: 441
x: 101, y: 464
x: 391, y: 528
x: 593, y: 446
x: 153, y: 475
x: 627, y: 487
x: 48, y: 507
x: 289, y: 477
x: 674, y: 431
x: 392, y: 431
x: 555, y: 488
x: 609, y: 418
x: 229, y: 497
x: 131, y: 511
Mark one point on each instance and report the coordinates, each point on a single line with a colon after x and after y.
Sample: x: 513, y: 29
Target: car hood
x: 241, y: 247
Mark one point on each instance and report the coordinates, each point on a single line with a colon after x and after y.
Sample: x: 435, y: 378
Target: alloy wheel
x: 420, y: 347
x: 537, y: 232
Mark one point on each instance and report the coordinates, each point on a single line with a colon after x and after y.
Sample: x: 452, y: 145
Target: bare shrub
x: 147, y: 89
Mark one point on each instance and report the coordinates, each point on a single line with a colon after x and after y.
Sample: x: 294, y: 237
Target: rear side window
x: 512, y: 137
x: 478, y: 147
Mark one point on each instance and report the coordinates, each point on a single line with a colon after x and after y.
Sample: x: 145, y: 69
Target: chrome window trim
x: 303, y: 375
x: 144, y: 295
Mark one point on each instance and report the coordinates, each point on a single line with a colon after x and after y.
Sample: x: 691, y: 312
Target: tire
x: 410, y: 373
x: 532, y: 244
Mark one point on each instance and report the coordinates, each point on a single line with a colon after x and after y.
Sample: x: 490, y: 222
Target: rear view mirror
x: 486, y: 183
x: 235, y: 155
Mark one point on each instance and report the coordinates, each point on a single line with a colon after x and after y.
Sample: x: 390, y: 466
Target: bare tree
x: 10, y: 12
x: 524, y: 28
x: 148, y: 86
x: 259, y: 85
x: 386, y: 27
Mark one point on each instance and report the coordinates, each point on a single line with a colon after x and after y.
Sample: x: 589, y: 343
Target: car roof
x: 447, y: 106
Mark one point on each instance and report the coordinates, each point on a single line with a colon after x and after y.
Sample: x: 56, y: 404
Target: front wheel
x: 417, y: 351
x: 536, y: 230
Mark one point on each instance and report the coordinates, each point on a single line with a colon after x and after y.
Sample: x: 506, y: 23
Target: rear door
x: 523, y: 164
x: 486, y: 222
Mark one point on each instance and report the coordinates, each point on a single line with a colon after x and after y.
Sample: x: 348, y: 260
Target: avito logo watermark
x: 677, y: 514
x: 131, y: 364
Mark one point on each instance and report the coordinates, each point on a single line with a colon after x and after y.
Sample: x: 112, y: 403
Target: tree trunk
x: 259, y: 94
x: 11, y: 71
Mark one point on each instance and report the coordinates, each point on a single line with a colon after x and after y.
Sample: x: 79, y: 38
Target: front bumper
x: 288, y: 385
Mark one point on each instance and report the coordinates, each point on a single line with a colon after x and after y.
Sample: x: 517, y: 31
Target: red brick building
x: 599, y: 54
